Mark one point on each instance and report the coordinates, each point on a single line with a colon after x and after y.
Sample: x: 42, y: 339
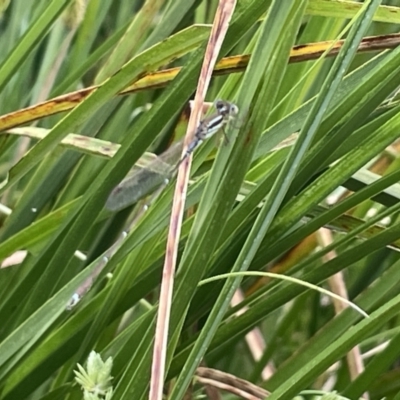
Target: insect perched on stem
x: 226, y: 111
x: 162, y: 169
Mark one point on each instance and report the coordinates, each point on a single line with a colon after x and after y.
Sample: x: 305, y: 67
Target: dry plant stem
x: 254, y: 338
x: 337, y: 285
x: 220, y: 26
x: 376, y: 350
x: 230, y: 383
x: 211, y: 392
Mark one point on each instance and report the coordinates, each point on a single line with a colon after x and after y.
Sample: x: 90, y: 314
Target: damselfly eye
x: 233, y: 109
x: 226, y: 108
x: 220, y: 105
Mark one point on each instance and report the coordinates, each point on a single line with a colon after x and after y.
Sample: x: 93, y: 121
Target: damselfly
x: 161, y: 170
x: 156, y: 173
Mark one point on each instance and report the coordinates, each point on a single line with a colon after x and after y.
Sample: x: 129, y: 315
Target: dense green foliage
x: 313, y: 147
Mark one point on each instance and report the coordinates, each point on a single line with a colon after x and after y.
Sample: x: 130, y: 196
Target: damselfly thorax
x: 210, y: 125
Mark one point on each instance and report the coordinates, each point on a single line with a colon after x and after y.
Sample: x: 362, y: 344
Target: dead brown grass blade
x: 159, y: 79
x: 230, y: 383
x: 220, y: 26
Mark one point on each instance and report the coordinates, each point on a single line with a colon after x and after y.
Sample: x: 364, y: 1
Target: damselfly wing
x: 143, y: 181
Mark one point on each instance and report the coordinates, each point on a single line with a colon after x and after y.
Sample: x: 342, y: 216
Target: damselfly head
x: 225, y: 108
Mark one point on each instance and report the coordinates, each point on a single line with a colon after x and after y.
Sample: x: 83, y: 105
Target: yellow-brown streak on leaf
x: 58, y: 104
x: 160, y: 79
x: 153, y: 80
